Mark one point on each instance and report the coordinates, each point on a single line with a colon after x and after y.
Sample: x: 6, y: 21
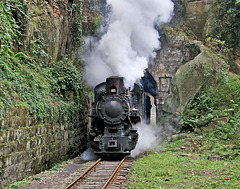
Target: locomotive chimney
x: 115, y: 85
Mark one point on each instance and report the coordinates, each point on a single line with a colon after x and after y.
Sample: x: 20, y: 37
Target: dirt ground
x: 59, y: 177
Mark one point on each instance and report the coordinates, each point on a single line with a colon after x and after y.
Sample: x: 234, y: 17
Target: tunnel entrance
x: 151, y: 91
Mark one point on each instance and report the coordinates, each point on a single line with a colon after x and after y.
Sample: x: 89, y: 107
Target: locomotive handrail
x: 130, y: 122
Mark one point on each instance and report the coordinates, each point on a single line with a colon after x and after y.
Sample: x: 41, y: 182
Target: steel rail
x: 84, y: 174
x: 114, y: 173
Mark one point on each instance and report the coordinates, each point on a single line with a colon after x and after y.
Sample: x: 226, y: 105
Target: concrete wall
x: 29, y: 145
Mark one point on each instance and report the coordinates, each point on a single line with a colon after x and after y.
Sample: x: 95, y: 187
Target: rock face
x: 175, y: 52
x: 196, y: 14
x: 180, y: 60
x: 190, y: 78
x: 29, y: 144
x: 53, y: 20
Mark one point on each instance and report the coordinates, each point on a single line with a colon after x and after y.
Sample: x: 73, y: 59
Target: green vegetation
x: 28, y: 76
x: 91, y: 16
x: 87, y: 19
x: 41, y: 89
x: 13, y: 15
x: 220, y: 103
x: 17, y: 184
x: 77, y: 27
x: 217, y: 46
x: 208, y: 159
x: 225, y: 26
x: 220, y: 100
x: 173, y: 168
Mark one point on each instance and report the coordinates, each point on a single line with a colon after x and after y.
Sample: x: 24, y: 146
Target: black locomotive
x: 115, y: 111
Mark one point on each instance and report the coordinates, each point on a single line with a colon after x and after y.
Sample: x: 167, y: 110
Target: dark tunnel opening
x: 149, y: 84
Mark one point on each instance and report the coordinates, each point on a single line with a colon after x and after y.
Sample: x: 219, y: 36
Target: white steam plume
x: 130, y: 40
x: 88, y: 155
x: 150, y: 136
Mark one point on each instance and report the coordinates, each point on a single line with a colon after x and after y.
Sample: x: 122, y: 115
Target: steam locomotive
x: 115, y: 112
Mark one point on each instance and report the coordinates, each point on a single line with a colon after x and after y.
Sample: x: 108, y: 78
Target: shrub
x: 28, y: 77
x: 221, y: 100
x: 225, y: 26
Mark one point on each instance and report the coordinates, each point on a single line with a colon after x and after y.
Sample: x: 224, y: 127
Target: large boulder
x: 191, y: 77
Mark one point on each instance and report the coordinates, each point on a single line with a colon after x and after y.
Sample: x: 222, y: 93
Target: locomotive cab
x: 111, y: 131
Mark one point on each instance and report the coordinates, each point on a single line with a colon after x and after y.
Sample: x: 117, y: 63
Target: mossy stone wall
x: 190, y: 78
x: 29, y: 145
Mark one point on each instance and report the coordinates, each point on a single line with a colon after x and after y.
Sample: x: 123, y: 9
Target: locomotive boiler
x: 115, y: 112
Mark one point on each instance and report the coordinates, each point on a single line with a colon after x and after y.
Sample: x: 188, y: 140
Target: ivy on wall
x: 12, y: 15
x: 87, y: 18
x: 77, y: 16
x: 28, y: 77
x: 91, y: 16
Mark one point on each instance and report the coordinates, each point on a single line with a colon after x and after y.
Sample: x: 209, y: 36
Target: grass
x: 17, y: 184
x: 180, y: 165
x: 210, y: 159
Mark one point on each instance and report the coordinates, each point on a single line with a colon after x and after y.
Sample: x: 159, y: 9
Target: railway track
x: 103, y: 174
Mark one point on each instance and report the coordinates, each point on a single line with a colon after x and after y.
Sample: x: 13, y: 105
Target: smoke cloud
x: 125, y: 49
x: 150, y: 136
x: 88, y: 155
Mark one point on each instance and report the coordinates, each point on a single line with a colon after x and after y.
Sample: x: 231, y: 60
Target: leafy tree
x: 225, y: 26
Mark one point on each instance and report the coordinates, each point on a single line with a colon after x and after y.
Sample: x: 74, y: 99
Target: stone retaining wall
x: 175, y: 52
x: 29, y: 145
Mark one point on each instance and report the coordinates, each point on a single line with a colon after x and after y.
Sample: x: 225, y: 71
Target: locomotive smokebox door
x: 113, y: 110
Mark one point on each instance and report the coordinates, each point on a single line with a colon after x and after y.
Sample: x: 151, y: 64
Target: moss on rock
x: 190, y: 78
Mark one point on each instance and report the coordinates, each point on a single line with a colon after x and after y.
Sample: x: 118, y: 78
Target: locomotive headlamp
x: 113, y: 90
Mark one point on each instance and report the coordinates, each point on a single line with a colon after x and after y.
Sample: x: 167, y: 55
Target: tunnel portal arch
x: 150, y: 88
